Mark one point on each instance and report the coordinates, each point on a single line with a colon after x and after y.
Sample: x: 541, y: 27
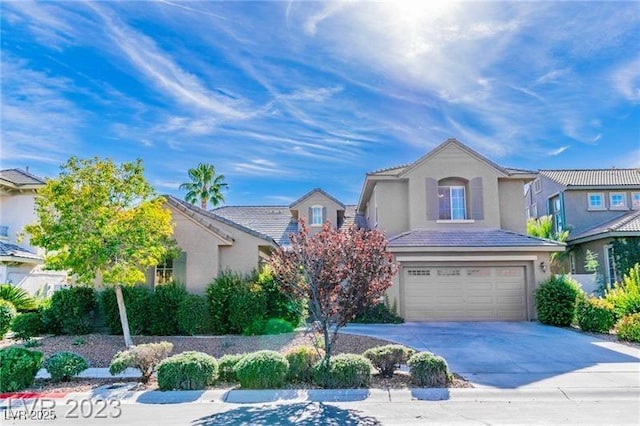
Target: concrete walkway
x: 519, y: 355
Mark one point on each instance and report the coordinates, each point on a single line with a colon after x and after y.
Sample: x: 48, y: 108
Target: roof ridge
x: 386, y: 169
x: 25, y: 173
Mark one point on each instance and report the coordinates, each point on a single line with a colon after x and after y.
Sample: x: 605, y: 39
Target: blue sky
x: 283, y: 97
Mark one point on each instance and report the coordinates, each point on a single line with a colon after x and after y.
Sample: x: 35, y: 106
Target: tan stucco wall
x: 317, y: 199
x: 243, y: 255
x: 597, y: 246
x: 453, y: 162
x: 512, y: 205
x: 392, y: 200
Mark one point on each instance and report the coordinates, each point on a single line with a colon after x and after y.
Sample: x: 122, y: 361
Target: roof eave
x: 602, y: 235
x: 476, y: 249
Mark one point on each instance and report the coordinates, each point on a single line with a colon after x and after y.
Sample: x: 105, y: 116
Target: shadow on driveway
x: 515, y: 354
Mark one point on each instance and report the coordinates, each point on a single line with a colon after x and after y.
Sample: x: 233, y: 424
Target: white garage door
x: 464, y: 294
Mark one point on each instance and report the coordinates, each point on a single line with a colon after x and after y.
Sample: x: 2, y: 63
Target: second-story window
x: 316, y: 216
x: 595, y: 201
x: 618, y: 200
x: 635, y: 200
x: 452, y: 203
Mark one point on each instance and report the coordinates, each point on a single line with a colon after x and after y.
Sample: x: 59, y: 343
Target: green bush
x: 595, y: 314
x: 277, y: 326
x: 246, y: 306
x: 137, y: 301
x: 279, y: 304
x: 27, y: 325
x: 625, y: 296
x: 64, y: 365
x: 628, y: 328
x: 51, y: 323
x: 227, y: 367
x: 429, y: 370
x: 345, y: 371
x: 262, y: 370
x: 219, y: 294
x: 19, y: 297
x: 7, y: 314
x: 193, y: 315
x: 18, y: 368
x: 187, y: 371
x: 302, y: 360
x: 387, y: 359
x: 165, y: 305
x: 74, y: 309
x: 378, y: 313
x: 145, y: 357
x: 556, y: 300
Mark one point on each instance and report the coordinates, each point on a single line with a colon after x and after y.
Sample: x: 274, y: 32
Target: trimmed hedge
x: 247, y: 305
x: 187, y: 371
x: 386, y: 359
x: 595, y: 314
x: 556, y: 300
x: 628, y: 328
x: 27, y: 325
x: 64, y: 365
x: 74, y: 309
x: 137, y: 301
x: 345, y: 371
x: 165, y: 304
x: 302, y: 360
x: 227, y: 367
x: 262, y: 370
x: 145, y: 357
x: 7, y: 314
x: 219, y: 294
x: 193, y: 315
x: 18, y: 368
x: 429, y: 370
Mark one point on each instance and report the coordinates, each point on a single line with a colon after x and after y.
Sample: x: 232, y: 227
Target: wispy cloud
x: 626, y: 80
x: 260, y: 167
x: 558, y: 151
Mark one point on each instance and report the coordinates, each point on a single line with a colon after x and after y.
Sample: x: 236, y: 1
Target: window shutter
x: 432, y: 198
x: 324, y: 215
x: 180, y: 268
x: 477, y: 204
x: 310, y: 217
x: 150, y: 277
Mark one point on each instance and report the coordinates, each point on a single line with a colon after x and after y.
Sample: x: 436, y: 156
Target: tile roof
x: 627, y: 223
x: 274, y: 221
x: 20, y: 177
x: 594, y: 177
x: 468, y: 238
x: 14, y: 250
x: 314, y: 191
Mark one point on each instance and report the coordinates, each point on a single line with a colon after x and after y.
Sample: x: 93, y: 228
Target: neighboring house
x: 595, y: 205
x: 455, y: 223
x: 239, y: 238
x: 21, y: 263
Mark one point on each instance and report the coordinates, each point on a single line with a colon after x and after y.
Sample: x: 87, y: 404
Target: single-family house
x: 595, y: 205
x: 20, y: 262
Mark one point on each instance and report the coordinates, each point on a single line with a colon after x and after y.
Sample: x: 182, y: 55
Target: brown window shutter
x: 476, y: 200
x: 432, y: 198
x: 324, y: 215
x: 310, y: 217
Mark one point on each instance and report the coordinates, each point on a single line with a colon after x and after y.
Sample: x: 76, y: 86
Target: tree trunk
x: 123, y: 317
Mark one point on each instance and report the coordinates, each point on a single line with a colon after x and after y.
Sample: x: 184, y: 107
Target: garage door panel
x: 461, y: 293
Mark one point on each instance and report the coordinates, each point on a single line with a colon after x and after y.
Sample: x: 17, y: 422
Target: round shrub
x: 278, y: 326
x: 345, y: 371
x: 7, y: 314
x: 64, y: 365
x: 556, y: 300
x: 262, y: 370
x: 628, y: 328
x: 137, y: 300
x: 18, y: 368
x: 50, y: 321
x: 386, y: 359
x: 193, y: 315
x: 187, y: 371
x: 164, y: 312
x: 74, y: 308
x: 429, y: 370
x: 227, y: 367
x: 27, y: 325
x: 145, y: 357
x: 595, y: 314
x: 301, y: 360
x: 247, y: 305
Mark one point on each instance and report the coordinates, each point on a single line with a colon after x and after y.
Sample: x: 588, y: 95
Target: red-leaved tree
x: 338, y: 271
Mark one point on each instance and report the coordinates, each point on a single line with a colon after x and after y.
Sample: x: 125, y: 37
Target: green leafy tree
x: 542, y: 227
x: 205, y: 186
x: 626, y: 252
x: 100, y: 219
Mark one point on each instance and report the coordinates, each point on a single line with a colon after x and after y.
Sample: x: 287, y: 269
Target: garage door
x: 464, y: 294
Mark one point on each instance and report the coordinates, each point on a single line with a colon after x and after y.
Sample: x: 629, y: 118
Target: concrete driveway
x: 511, y: 355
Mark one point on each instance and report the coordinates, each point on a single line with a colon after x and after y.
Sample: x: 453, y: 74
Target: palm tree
x: 205, y: 186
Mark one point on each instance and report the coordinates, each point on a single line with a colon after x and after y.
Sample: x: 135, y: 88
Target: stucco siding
x: 392, y: 201
x: 318, y: 199
x: 17, y: 211
x: 580, y: 254
x: 579, y: 218
x: 452, y: 162
x: 512, y: 206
